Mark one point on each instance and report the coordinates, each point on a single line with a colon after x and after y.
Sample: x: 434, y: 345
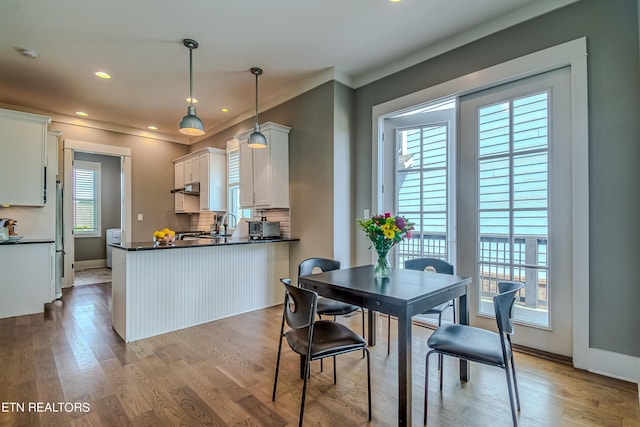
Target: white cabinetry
x: 183, y: 203
x: 208, y: 168
x: 191, y: 170
x: 213, y: 189
x: 27, y: 278
x: 264, y: 172
x: 23, y: 138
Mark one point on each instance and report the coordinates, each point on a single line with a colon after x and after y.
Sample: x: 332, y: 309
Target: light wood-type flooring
x: 67, y: 367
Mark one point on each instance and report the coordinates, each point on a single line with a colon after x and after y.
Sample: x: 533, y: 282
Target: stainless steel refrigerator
x: 59, y: 242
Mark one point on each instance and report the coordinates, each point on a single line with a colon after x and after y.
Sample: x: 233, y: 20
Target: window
x: 233, y: 181
x: 423, y: 179
x: 422, y: 189
x: 513, y: 210
x: 86, y: 199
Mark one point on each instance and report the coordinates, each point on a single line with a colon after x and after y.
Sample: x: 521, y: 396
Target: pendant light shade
x: 190, y: 124
x: 257, y: 139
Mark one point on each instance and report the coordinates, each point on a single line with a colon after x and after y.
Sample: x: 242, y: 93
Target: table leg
x: 463, y: 315
x: 404, y: 370
x: 372, y: 321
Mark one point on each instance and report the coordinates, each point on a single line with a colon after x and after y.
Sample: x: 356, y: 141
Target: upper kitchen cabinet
x: 264, y: 172
x: 212, y: 166
x: 23, y: 160
x: 204, y: 174
x: 192, y: 170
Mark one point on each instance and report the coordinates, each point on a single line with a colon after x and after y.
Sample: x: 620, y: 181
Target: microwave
x: 264, y: 229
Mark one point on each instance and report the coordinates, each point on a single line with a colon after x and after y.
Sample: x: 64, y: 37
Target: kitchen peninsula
x: 159, y: 289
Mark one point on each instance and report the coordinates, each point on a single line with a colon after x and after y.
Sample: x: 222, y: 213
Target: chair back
x: 299, y: 305
x: 429, y: 264
x: 324, y: 264
x: 503, y: 305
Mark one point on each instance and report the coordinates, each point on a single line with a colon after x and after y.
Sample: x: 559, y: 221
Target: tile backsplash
x: 204, y: 219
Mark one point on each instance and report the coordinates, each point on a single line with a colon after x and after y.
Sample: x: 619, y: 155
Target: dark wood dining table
x: 404, y: 294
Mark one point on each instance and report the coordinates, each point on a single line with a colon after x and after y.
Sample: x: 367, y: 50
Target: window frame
x: 96, y: 167
x: 233, y: 187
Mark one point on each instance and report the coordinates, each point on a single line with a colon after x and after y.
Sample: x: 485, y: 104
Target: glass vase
x: 382, y: 268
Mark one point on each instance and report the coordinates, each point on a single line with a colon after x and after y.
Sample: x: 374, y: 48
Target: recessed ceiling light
x: 225, y: 110
x: 395, y: 1
x: 152, y: 127
x: 81, y: 114
x: 195, y: 101
x: 102, y: 75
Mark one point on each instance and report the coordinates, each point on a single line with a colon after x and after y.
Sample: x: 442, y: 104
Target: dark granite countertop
x: 26, y: 241
x: 206, y: 242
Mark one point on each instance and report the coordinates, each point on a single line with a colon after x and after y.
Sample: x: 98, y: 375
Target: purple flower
x: 401, y: 223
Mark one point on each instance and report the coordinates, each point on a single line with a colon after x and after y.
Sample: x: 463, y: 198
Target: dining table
x: 404, y: 294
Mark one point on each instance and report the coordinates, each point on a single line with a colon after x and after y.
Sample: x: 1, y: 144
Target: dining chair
x: 315, y: 339
x: 431, y: 265
x: 480, y: 345
x: 328, y: 306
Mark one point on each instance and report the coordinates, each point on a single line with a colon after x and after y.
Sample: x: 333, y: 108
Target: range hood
x: 193, y: 189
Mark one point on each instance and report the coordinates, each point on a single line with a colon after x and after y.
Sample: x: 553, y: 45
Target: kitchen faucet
x: 225, y: 226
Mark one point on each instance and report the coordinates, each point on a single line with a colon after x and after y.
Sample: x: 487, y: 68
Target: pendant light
x: 190, y: 124
x: 257, y: 139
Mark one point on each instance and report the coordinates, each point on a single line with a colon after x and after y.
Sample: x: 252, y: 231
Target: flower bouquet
x: 385, y: 231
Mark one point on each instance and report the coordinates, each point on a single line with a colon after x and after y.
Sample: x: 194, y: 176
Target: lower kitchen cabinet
x: 27, y: 278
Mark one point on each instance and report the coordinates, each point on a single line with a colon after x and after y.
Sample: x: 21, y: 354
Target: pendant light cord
x: 257, y: 121
x: 191, y: 75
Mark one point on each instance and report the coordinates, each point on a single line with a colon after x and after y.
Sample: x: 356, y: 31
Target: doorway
x: 515, y: 180
x: 69, y: 149
x: 572, y: 55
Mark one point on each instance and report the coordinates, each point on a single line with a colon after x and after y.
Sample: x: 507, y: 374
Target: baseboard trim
x: 565, y: 360
x: 89, y: 264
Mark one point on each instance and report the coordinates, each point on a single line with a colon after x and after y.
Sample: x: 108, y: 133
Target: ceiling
x: 298, y: 43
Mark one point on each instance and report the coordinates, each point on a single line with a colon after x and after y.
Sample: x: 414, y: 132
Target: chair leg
x: 515, y: 382
x: 440, y: 372
x: 335, y: 375
x: 275, y: 380
x: 440, y: 354
x: 453, y: 306
x: 510, y: 391
x: 304, y: 389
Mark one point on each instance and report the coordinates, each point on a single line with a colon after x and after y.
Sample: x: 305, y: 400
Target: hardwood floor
x: 68, y: 368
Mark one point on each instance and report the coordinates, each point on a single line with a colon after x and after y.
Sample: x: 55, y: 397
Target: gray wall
x: 94, y: 248
x: 311, y: 140
x: 151, y: 177
x: 611, y: 28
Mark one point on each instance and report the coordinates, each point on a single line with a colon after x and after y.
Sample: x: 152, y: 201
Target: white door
x: 514, y: 205
x: 419, y: 183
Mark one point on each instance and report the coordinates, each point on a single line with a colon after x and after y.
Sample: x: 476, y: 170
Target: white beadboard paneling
x: 171, y: 289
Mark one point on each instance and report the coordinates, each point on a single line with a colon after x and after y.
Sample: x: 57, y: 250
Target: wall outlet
x: 366, y: 214
x: 140, y: 217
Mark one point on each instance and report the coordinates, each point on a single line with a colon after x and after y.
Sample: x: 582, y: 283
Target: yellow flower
x: 389, y: 233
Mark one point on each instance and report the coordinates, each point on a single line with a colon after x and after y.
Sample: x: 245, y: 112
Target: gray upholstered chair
x: 315, y: 339
x: 480, y: 345
x: 328, y: 306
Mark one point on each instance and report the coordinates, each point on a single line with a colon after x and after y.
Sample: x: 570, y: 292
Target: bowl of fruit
x: 164, y: 237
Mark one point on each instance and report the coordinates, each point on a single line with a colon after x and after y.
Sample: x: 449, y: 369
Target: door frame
x: 69, y: 147
x: 574, y: 55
